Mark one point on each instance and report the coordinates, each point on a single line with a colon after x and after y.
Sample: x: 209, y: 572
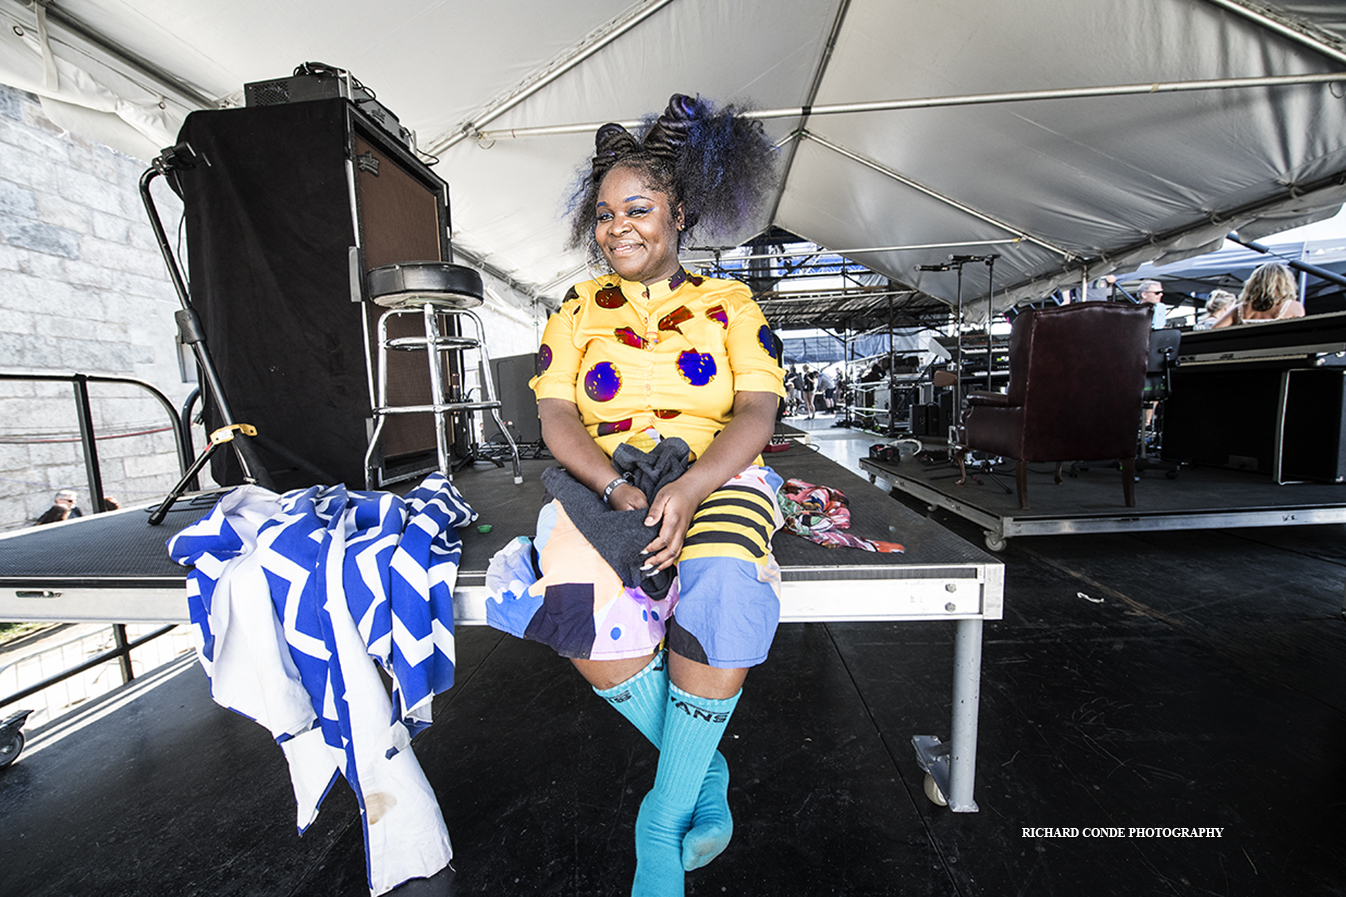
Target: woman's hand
x: 627, y: 498
x: 736, y: 446
x: 672, y: 512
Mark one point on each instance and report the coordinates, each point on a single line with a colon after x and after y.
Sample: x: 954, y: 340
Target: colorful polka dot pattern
x: 672, y: 361
x: 696, y: 368
x: 679, y: 315
x: 603, y: 382
x: 610, y: 297
x: 766, y: 341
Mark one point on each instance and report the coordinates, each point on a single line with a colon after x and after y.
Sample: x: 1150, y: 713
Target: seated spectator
x: 1219, y: 302
x: 1269, y: 295
x: 1152, y: 294
x: 62, y: 508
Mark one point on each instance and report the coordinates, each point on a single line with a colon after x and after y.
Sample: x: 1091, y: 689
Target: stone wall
x: 83, y: 288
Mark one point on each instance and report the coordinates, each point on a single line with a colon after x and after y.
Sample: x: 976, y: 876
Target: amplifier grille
x: 270, y: 93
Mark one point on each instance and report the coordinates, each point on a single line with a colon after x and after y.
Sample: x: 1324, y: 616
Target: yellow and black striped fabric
x: 734, y: 522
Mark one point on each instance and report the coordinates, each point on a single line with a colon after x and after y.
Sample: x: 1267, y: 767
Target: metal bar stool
x: 436, y: 291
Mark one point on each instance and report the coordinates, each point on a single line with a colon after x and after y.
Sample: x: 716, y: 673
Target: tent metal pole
x: 853, y: 252
x: 933, y: 194
x: 1284, y: 29
x: 1050, y: 280
x: 87, y: 32
x: 817, y: 84
x: 473, y: 128
x: 975, y: 99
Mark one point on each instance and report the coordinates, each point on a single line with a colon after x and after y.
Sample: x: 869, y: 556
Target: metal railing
x: 121, y: 650
x: 80, y: 382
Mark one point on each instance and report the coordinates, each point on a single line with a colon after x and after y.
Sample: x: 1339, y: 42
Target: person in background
x: 793, y: 384
x: 1270, y: 294
x: 1217, y: 304
x: 810, y: 391
x: 828, y: 386
x: 110, y: 503
x: 1152, y: 294
x: 64, y: 506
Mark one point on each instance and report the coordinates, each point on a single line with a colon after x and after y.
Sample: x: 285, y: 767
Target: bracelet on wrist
x: 607, y: 493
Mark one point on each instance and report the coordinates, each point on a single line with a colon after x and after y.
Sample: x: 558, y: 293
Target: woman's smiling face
x: 637, y: 227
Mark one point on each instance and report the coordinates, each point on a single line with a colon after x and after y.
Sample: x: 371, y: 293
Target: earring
x: 596, y: 262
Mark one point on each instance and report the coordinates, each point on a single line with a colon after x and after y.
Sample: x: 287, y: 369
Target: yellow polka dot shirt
x: 669, y: 358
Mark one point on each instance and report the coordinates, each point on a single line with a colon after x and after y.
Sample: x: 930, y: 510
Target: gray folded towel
x: 619, y: 536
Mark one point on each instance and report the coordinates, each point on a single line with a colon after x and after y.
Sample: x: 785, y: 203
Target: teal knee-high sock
x: 642, y: 700
x: 693, y: 727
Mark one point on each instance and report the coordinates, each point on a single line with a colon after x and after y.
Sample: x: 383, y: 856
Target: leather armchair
x: 1077, y: 373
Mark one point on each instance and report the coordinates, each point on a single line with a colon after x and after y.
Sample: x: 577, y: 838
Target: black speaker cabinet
x: 1233, y: 416
x: 518, y: 404
x: 1313, y: 436
x: 286, y: 209
x: 930, y: 420
x: 1222, y: 417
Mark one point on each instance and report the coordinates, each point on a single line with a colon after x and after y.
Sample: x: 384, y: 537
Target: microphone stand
x: 239, y: 436
x: 954, y: 263
x: 986, y: 466
x: 990, y: 292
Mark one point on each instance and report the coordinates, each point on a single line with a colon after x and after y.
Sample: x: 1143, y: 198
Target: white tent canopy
x: 1068, y: 138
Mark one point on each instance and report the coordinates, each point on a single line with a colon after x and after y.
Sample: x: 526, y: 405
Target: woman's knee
x: 606, y: 674
x: 704, y: 680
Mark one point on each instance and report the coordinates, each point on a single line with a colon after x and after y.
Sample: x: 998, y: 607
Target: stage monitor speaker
x: 920, y: 419
x: 931, y: 419
x: 286, y: 209
x: 518, y: 404
x: 1222, y: 417
x: 1313, y: 441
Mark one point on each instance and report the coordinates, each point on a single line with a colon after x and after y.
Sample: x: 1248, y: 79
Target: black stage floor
x: 1097, y: 490
x: 1091, y: 500
x: 1170, y: 680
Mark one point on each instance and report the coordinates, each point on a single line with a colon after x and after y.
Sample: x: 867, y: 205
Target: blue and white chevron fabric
x: 292, y: 595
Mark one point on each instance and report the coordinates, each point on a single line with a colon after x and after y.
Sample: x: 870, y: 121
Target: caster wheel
x: 994, y: 542
x: 932, y: 791
x: 9, y: 751
x: 930, y: 509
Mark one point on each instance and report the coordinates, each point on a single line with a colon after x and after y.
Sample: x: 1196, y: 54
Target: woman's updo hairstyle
x: 717, y: 164
x: 1269, y: 286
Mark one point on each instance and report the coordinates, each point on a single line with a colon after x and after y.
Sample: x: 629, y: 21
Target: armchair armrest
x: 989, y: 399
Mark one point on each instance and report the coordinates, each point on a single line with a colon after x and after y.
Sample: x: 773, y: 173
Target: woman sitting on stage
x: 1269, y: 295
x: 636, y: 363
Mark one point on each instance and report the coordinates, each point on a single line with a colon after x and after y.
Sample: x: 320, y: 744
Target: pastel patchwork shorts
x: 722, y: 609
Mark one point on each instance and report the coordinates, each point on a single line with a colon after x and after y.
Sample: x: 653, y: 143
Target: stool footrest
x: 429, y: 409
x: 413, y: 343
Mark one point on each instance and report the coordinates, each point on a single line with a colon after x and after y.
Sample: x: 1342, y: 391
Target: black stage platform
x: 1092, y: 502
x: 1138, y: 681
x: 110, y: 567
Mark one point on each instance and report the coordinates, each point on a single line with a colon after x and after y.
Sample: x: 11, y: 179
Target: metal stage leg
x: 952, y: 766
